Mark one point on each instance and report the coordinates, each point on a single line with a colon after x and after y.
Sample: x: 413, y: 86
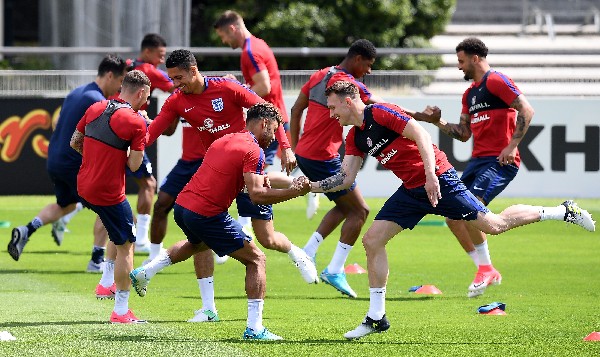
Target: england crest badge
x: 217, y: 104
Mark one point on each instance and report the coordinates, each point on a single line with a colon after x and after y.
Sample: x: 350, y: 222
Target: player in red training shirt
x: 497, y: 115
x: 152, y: 53
x: 214, y: 106
x: 317, y: 154
x: 232, y: 162
x: 110, y: 136
x: 430, y: 185
x: 261, y: 72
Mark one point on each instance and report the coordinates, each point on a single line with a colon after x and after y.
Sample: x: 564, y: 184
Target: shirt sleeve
x: 392, y: 118
x: 254, y: 160
x: 351, y: 148
x: 138, y: 125
x: 162, y: 121
x: 503, y: 87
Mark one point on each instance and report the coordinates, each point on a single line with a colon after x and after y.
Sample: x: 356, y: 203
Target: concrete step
x: 529, y: 74
x: 528, y: 88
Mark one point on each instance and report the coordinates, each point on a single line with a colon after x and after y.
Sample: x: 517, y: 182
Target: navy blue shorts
x: 65, y: 186
x: 248, y: 209
x: 145, y: 169
x: 179, y: 176
x: 272, y: 149
x: 221, y: 233
x: 408, y: 207
x: 485, y: 178
x: 318, y: 170
x: 117, y: 219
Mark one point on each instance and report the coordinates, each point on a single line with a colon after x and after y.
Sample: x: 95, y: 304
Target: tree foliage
x: 330, y: 23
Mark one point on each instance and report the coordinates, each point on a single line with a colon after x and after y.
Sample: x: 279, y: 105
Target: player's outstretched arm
x: 343, y: 179
x: 262, y: 195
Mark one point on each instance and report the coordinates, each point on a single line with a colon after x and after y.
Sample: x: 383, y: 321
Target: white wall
x: 544, y: 177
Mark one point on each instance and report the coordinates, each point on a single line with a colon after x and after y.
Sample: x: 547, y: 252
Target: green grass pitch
x: 551, y: 287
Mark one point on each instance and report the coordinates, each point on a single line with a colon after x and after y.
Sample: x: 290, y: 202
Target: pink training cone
x: 429, y: 290
x: 594, y: 336
x: 354, y: 269
x: 496, y: 311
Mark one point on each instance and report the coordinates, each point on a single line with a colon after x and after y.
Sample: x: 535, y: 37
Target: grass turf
x: 551, y: 287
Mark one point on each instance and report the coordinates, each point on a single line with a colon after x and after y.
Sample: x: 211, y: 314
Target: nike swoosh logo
x: 478, y: 285
x: 188, y: 109
x: 464, y: 215
x: 477, y: 188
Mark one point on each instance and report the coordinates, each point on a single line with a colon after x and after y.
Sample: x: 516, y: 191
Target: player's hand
x: 267, y: 182
x: 302, y: 184
x: 432, y: 187
x: 430, y: 115
x: 507, y: 156
x: 288, y: 160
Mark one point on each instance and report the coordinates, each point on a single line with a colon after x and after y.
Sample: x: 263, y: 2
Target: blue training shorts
x: 65, y: 185
x: 407, y: 207
x: 145, y: 169
x: 221, y: 233
x: 248, y: 209
x: 485, y: 178
x: 179, y: 176
x: 117, y: 219
x: 318, y: 170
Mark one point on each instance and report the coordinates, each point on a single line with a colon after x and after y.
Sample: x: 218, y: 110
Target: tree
x: 333, y: 23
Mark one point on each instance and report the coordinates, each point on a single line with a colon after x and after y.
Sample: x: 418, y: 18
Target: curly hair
x: 473, y: 46
x: 363, y: 48
x: 183, y: 59
x: 342, y: 89
x: 264, y: 110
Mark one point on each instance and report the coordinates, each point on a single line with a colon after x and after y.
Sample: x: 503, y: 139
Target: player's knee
x: 370, y: 242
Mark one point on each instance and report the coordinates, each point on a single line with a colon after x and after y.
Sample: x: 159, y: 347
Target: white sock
x: 255, y: 309
x: 483, y: 253
x: 67, y: 217
x: 108, y: 273
x: 157, y: 264
x: 121, y: 302
x: 376, y: 303
x: 207, y: 293
x: 474, y: 257
x: 295, y: 253
x: 141, y: 228
x: 552, y: 213
x: 154, y: 250
x: 244, y: 221
x: 313, y: 243
x: 336, y: 265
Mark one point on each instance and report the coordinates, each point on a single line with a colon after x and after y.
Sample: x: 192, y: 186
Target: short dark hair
x: 264, y: 110
x: 362, y: 47
x: 111, y: 63
x: 134, y: 80
x: 473, y: 46
x: 227, y: 18
x: 153, y: 40
x: 342, y: 89
x: 183, y: 59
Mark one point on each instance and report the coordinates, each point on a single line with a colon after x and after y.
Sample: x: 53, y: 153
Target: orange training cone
x: 496, y: 311
x: 594, y: 336
x: 354, y: 269
x: 429, y: 290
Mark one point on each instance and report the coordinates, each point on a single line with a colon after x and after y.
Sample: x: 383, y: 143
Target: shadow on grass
x: 50, y: 323
x: 34, y: 271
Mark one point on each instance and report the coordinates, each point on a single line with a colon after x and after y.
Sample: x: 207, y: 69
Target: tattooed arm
x: 343, y: 179
x: 77, y: 141
x: 524, y: 114
x: 460, y: 131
